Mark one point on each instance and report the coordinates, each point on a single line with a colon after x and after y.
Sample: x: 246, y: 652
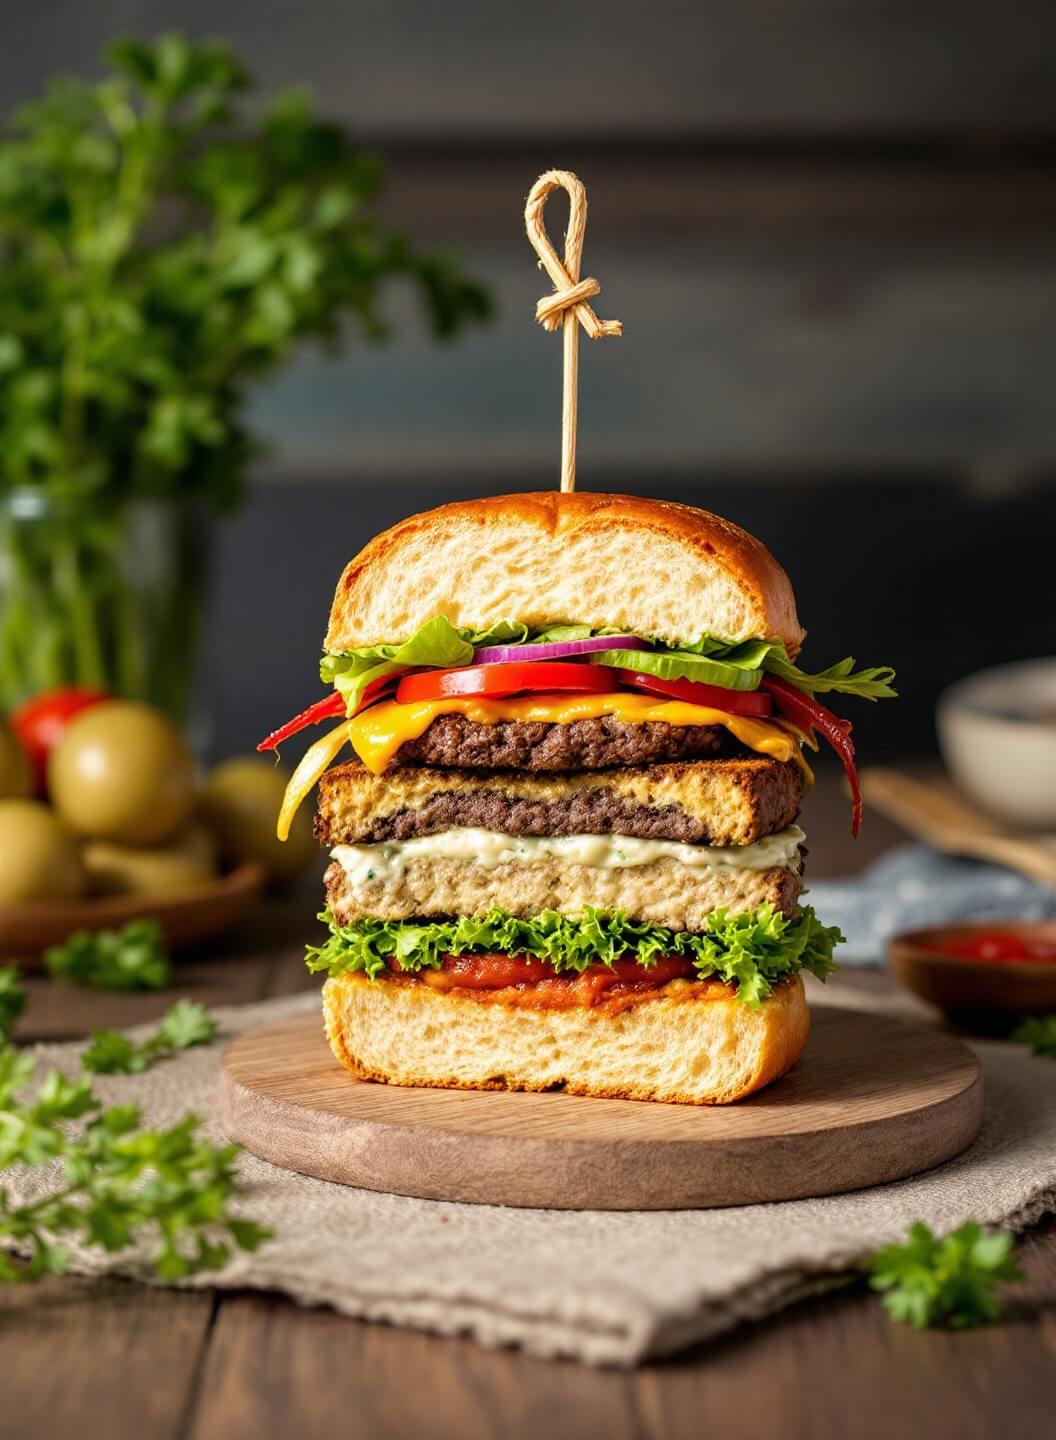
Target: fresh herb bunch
x: 1039, y: 1033
x: 183, y: 1025
x: 132, y: 958
x: 159, y: 249
x: 162, y: 246
x: 945, y: 1282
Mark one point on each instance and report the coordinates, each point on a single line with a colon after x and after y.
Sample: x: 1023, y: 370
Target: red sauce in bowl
x: 996, y: 947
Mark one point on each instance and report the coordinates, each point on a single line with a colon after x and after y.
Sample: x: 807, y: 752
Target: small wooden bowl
x: 988, y: 995
x: 26, y: 931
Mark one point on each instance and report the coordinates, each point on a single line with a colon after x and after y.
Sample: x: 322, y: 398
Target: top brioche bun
x: 647, y: 567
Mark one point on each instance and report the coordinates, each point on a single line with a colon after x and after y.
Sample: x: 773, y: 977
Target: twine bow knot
x: 567, y: 306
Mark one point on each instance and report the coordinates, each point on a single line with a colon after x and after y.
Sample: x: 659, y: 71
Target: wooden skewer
x: 567, y: 306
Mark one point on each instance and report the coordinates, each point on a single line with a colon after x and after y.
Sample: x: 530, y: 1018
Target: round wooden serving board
x: 872, y: 1100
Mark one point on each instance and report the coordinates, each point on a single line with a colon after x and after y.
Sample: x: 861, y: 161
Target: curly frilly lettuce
x: 753, y: 951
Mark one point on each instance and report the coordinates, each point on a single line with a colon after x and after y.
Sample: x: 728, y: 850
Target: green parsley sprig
x: 132, y: 958
x: 184, y: 1024
x: 1039, y: 1033
x: 949, y: 1282
x: 120, y: 1183
x: 12, y: 1000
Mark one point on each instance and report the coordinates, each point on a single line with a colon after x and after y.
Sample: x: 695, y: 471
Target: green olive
x: 16, y: 777
x: 185, y: 863
x: 39, y: 858
x: 240, y: 802
x: 122, y: 772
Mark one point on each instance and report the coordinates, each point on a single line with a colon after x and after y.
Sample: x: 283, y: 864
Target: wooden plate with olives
x: 105, y: 820
x: 26, y: 931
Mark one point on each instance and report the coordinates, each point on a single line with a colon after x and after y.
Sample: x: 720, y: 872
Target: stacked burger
x: 565, y: 854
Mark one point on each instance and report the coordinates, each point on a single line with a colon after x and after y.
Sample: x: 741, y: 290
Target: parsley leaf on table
x: 132, y: 958
x: 112, y: 1054
x: 950, y: 1281
x: 184, y: 1024
x: 1039, y: 1032
x: 12, y: 1000
x: 120, y: 1183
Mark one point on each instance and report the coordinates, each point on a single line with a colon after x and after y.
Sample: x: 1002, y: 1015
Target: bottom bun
x: 696, y: 1046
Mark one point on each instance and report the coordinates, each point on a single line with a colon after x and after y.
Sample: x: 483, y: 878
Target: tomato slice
x: 734, y: 702
x: 805, y: 712
x: 509, y: 678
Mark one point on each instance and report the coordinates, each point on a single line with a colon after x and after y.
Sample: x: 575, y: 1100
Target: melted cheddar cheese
x: 377, y: 734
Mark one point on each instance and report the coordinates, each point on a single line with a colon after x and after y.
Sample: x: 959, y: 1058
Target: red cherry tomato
x: 734, y: 702
x: 41, y: 722
x: 510, y: 678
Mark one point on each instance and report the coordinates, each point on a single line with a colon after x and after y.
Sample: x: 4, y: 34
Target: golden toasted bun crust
x: 649, y: 567
x: 685, y: 1043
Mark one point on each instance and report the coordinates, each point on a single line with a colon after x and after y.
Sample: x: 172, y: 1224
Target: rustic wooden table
x: 107, y: 1358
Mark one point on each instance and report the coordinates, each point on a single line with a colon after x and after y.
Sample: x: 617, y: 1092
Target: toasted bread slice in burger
x: 693, y: 1043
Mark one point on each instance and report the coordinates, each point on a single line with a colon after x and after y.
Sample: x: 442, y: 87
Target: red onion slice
x: 559, y: 650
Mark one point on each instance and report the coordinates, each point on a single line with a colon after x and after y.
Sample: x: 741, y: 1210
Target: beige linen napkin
x: 606, y: 1288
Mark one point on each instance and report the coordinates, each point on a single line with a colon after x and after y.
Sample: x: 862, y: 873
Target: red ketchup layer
x: 523, y: 981
x: 997, y: 947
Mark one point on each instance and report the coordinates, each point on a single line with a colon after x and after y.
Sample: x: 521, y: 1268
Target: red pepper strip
x: 805, y: 712
x: 333, y: 705
x: 322, y: 710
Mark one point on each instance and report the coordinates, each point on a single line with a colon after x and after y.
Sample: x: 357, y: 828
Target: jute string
x: 567, y: 306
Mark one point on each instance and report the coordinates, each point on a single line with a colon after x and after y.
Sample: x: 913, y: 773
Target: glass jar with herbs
x: 162, y: 246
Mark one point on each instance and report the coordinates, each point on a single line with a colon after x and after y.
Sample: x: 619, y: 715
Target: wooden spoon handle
x: 952, y: 826
x: 921, y: 808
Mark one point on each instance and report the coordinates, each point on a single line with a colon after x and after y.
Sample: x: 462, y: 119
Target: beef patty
x: 599, y: 744
x: 710, y: 802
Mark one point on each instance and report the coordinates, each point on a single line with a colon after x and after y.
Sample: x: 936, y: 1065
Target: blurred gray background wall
x: 828, y: 228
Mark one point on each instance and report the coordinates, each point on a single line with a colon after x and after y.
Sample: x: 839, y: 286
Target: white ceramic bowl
x: 997, y: 731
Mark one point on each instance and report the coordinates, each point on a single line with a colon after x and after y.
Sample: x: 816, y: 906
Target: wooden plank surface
x: 603, y: 67
x: 146, y: 1364
x: 825, y: 1370
x: 99, y: 1358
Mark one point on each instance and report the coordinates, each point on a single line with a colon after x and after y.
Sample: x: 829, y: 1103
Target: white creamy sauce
x: 385, y: 862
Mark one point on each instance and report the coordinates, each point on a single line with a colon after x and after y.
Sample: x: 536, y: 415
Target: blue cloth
x: 914, y: 886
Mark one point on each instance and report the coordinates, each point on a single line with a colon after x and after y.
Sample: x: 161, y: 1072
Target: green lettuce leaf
x: 740, y: 666
x: 753, y: 950
x: 680, y: 665
x: 437, y: 644
x: 870, y: 684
